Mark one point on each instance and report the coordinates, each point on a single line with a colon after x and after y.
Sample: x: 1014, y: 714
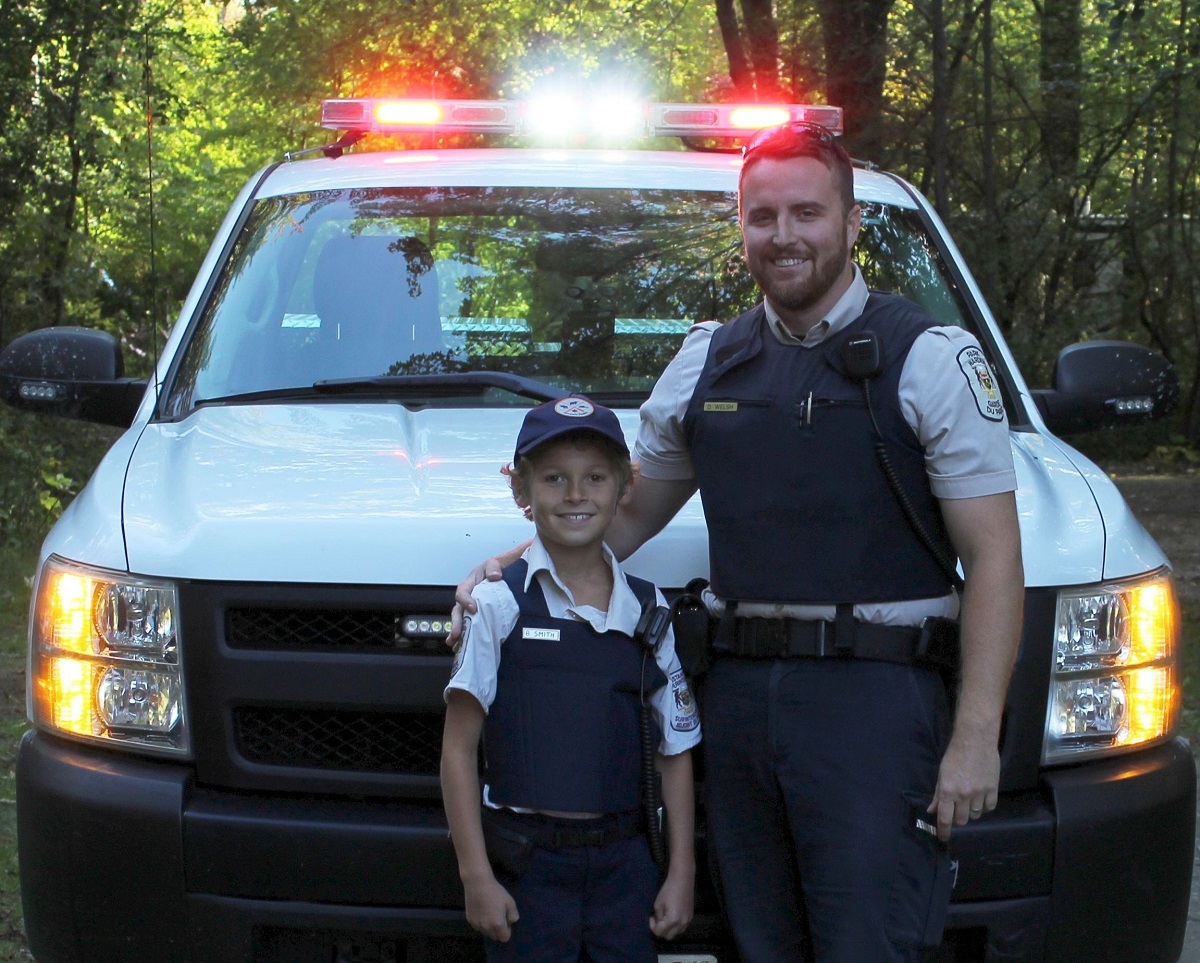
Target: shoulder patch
x: 982, y: 383
x: 684, y: 718
x: 461, y: 651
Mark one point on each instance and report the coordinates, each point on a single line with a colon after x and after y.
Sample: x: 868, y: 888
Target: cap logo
x: 574, y: 408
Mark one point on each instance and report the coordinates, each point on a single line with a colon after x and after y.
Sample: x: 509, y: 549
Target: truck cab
x: 236, y: 641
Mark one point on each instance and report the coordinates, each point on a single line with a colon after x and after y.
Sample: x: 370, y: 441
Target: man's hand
x: 464, y: 604
x: 492, y: 571
x: 968, y: 782
x: 987, y: 537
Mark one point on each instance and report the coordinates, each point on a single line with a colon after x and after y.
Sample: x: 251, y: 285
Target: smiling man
x: 834, y: 771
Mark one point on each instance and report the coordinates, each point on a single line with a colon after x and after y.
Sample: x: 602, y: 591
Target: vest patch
x: 983, y: 385
x: 543, y: 635
x: 720, y: 406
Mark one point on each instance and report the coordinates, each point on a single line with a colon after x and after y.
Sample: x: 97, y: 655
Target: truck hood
x: 1076, y: 529
x: 373, y: 493
x: 342, y: 492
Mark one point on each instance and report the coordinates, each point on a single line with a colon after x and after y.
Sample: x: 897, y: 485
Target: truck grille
x: 314, y: 688
x: 405, y: 742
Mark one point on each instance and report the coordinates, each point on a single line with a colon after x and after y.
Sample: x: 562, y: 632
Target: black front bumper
x: 126, y: 860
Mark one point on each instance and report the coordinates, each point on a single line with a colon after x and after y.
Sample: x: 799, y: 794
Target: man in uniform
x: 834, y: 773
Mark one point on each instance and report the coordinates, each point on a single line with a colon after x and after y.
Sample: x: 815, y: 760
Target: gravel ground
x: 1169, y: 507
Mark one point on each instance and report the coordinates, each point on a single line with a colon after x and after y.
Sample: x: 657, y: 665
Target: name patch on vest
x: 542, y: 635
x: 982, y: 383
x: 720, y: 406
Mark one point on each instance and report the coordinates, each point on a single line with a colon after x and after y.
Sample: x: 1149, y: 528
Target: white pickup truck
x: 236, y: 651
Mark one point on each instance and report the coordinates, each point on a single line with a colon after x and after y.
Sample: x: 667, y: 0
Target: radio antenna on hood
x: 147, y: 81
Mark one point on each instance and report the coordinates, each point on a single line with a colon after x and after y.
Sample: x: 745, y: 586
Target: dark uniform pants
x: 598, y: 898
x: 814, y: 770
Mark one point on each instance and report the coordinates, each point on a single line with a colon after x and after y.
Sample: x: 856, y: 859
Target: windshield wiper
x: 266, y: 394
x: 441, y: 385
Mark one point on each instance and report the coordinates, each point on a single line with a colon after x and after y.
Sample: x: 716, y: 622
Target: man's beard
x: 804, y: 294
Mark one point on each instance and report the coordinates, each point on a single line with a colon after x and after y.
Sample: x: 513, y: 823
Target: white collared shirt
x: 478, y: 659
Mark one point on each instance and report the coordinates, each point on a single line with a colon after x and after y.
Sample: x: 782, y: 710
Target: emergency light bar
x: 387, y: 116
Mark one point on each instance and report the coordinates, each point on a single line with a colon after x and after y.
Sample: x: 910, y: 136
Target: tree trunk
x: 855, y: 35
x: 735, y: 51
x: 1061, y: 76
x: 763, y: 36
x: 939, y: 137
x: 752, y: 53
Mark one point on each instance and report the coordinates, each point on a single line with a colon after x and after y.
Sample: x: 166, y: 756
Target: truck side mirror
x: 1107, y: 384
x: 75, y: 372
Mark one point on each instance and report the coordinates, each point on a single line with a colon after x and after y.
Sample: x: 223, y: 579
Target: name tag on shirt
x: 542, y: 635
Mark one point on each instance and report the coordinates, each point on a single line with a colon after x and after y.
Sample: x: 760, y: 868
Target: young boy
x: 549, y: 676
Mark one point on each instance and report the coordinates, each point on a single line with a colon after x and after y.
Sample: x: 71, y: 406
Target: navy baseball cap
x: 572, y: 413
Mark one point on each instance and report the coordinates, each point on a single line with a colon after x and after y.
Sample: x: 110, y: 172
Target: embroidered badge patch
x: 574, y: 408
x: 684, y: 718
x: 982, y: 384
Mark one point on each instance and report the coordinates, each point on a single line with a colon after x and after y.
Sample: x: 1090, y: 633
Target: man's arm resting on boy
x: 674, y: 903
x: 651, y: 504
x: 490, y: 909
x: 986, y: 535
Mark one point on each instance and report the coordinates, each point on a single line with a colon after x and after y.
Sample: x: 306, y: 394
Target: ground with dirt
x: 1169, y: 507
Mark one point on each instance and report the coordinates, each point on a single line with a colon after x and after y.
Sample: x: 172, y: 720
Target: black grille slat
x: 311, y: 629
x: 380, y: 742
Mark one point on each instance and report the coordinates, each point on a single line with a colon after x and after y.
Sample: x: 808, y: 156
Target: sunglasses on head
x: 798, y: 128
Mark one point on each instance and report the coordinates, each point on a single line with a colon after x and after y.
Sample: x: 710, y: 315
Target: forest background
x: 1057, y: 138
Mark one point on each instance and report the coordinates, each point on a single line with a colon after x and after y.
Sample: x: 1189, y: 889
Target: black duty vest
x: 563, y: 731
x: 798, y: 509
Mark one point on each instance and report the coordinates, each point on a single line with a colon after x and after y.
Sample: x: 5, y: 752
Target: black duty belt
x: 560, y: 832
x: 766, y: 638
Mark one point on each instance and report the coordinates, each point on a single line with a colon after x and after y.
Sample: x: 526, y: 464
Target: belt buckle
x: 770, y: 638
x: 593, y: 837
x: 819, y: 641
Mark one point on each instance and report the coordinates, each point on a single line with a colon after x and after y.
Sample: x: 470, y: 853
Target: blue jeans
x: 814, y: 770
x: 598, y: 898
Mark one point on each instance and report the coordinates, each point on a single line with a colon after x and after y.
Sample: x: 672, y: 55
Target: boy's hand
x: 490, y: 909
x: 673, y: 906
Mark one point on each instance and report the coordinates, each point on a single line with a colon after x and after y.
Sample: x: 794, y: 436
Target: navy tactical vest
x: 563, y: 732
x: 798, y: 509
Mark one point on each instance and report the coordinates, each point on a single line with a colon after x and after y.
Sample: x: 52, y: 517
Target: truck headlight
x: 1115, y: 682
x: 104, y: 658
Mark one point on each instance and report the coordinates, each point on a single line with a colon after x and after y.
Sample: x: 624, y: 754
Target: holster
x: 938, y: 644
x: 693, y: 627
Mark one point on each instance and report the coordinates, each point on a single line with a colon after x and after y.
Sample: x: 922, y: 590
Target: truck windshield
x: 591, y: 290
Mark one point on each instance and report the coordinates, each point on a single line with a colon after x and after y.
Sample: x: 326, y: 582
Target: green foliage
x: 104, y: 219
x: 1100, y: 248
x: 45, y: 464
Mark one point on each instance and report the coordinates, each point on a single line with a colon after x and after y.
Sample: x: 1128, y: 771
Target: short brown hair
x: 802, y: 139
